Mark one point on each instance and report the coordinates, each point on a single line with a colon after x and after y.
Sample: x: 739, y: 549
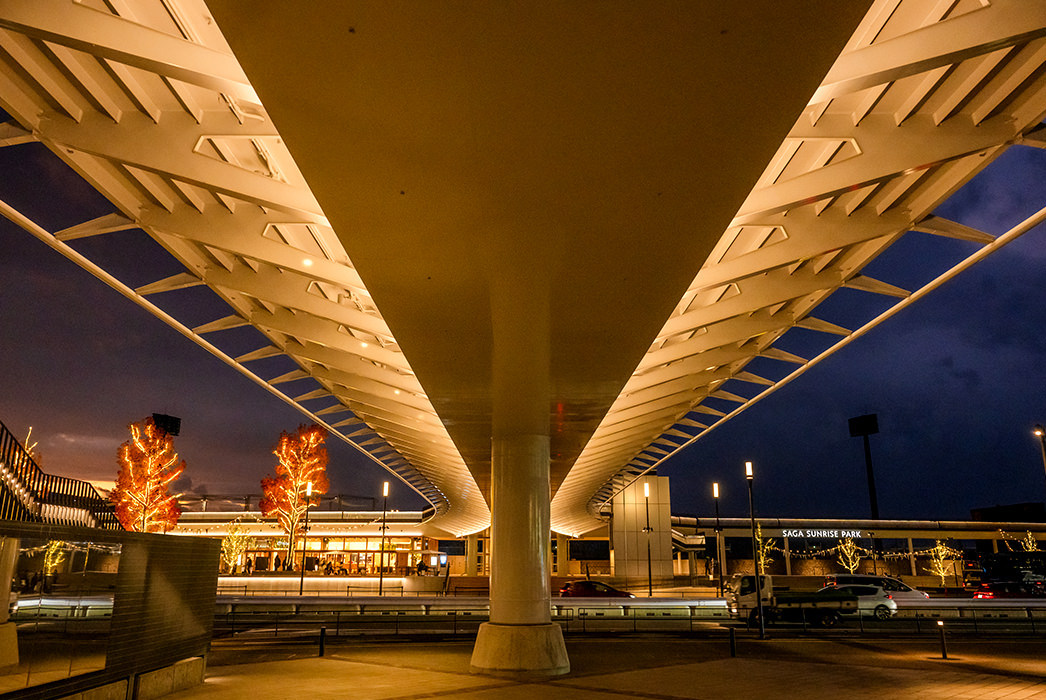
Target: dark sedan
x: 991, y: 590
x: 591, y: 589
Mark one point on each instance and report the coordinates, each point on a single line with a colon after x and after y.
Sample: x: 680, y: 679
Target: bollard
x: 323, y: 639
x: 944, y: 645
x: 733, y: 643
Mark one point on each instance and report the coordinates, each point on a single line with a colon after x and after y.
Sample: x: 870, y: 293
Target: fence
x: 447, y: 616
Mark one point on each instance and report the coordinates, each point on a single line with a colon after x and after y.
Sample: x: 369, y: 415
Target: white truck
x: 815, y: 607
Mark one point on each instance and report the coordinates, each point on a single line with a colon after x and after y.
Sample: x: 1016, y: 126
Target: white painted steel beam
x: 108, y: 36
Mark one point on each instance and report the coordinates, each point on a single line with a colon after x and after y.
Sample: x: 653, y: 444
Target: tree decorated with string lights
x: 302, y: 459
x: 849, y: 555
x: 235, y: 544
x: 1028, y: 543
x: 54, y: 555
x: 148, y: 465
x: 941, y: 556
x: 765, y: 547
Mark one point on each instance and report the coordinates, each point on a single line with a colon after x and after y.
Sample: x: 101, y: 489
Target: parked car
x: 990, y: 590
x: 895, y: 587
x: 591, y: 589
x: 871, y: 600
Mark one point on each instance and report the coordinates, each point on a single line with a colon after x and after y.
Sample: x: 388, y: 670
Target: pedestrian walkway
x: 655, y: 667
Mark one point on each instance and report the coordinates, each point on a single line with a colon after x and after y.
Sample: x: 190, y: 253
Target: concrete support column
x: 562, y: 555
x: 472, y: 567
x: 520, y: 640
x: 9, y: 547
x: 911, y: 556
x: 519, y: 577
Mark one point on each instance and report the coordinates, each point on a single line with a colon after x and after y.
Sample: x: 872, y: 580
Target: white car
x: 871, y: 600
x: 895, y: 587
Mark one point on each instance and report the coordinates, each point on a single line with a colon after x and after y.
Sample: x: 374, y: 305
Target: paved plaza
x: 636, y: 667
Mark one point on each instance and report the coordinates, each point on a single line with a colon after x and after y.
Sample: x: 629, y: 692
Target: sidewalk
x: 653, y: 667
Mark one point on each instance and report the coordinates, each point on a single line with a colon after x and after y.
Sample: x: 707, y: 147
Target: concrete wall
x: 628, y: 539
x: 162, y: 593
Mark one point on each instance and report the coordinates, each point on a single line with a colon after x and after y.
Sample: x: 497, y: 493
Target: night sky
x: 956, y: 380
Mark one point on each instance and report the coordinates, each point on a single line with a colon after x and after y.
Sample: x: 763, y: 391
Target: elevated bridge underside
x: 438, y: 216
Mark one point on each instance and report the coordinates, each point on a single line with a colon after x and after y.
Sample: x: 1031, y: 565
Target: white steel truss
x: 924, y: 96
x: 145, y: 101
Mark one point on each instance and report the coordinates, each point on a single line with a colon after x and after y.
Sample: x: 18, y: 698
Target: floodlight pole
x: 1040, y: 433
x: 863, y: 426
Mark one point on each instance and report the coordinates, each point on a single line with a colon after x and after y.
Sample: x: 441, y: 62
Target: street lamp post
x: 647, y: 530
x: 381, y: 553
x: 755, y: 552
x: 871, y: 536
x: 718, y: 546
x: 305, y: 538
x: 1041, y: 434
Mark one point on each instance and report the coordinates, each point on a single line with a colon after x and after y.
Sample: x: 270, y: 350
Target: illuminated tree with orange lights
x: 148, y: 465
x: 302, y: 460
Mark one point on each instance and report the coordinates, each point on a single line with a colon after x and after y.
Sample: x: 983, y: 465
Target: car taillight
x: 889, y: 597
x: 983, y: 594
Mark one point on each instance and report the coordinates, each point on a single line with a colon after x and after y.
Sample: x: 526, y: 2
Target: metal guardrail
x: 448, y: 616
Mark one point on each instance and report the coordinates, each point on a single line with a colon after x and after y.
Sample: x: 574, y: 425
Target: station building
x: 684, y: 550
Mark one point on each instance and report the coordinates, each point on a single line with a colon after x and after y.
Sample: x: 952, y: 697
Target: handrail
x: 29, y: 494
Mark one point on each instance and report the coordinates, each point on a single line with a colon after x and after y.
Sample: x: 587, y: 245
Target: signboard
x: 823, y: 534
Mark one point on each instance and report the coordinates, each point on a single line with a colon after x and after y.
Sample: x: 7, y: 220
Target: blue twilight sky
x: 957, y: 380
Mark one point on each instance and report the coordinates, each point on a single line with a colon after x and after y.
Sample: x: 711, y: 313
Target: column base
x: 520, y: 651
x: 8, y: 647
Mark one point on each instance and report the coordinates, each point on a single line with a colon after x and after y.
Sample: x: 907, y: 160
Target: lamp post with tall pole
x: 755, y: 552
x: 305, y: 537
x: 1041, y: 434
x: 718, y: 531
x: 647, y: 530
x: 381, y: 553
